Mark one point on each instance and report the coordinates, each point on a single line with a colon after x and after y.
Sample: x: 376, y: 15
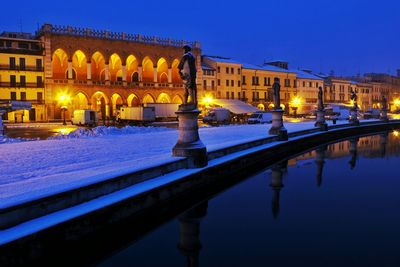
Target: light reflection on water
x: 337, y: 205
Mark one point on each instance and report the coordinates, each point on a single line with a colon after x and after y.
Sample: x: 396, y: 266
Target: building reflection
x: 276, y: 184
x: 189, y: 227
x: 383, y: 143
x: 353, y: 152
x: 320, y: 154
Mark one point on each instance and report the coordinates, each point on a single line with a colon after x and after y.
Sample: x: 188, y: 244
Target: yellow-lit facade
x: 22, y: 75
x: 307, y: 86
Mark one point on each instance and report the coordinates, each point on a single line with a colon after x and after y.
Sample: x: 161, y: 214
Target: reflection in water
x: 189, y: 226
x: 353, y: 152
x: 320, y: 161
x: 276, y: 185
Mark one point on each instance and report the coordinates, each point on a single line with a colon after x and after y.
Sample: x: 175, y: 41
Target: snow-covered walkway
x: 38, y: 168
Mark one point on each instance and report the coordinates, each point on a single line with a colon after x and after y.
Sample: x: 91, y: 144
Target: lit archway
x: 148, y: 99
x: 115, y: 68
x: 117, y: 103
x: 132, y: 69
x: 133, y: 100
x: 177, y: 99
x: 162, y: 70
x: 60, y: 64
x: 147, y: 70
x: 176, y: 78
x: 163, y: 98
x: 79, y: 65
x: 80, y: 101
x: 100, y: 104
x: 261, y: 106
x: 98, y: 66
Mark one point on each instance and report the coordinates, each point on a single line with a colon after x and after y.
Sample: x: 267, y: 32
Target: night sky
x: 346, y: 36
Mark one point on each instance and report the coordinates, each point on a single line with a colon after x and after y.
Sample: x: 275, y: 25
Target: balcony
x: 112, y: 83
x: 21, y: 85
x: 23, y: 68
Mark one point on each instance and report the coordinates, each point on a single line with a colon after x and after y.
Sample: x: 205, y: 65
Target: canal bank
x: 156, y: 187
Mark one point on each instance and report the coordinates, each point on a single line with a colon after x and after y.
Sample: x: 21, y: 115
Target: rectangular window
x: 269, y: 81
x: 257, y: 81
x: 219, y: 82
x: 205, y: 84
x: 265, y: 81
x: 244, y: 95
x: 23, y: 45
x: 13, y: 81
x: 244, y: 80
x: 40, y: 97
x: 233, y: 95
x: 39, y: 81
x: 219, y: 70
x: 13, y: 96
x: 238, y: 83
x: 232, y: 83
x: 254, y: 96
x: 22, y: 63
x: 304, y: 84
x: 227, y: 70
x: 238, y: 95
x: 265, y: 95
x: 239, y: 71
x: 8, y: 43
x: 258, y: 95
x: 227, y: 83
x: 23, y: 96
x: 227, y: 95
x: 212, y: 84
x: 232, y: 71
x: 22, y: 80
x: 12, y: 63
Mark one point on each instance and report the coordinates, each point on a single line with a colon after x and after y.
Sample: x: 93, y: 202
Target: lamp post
x: 64, y: 108
x: 64, y: 100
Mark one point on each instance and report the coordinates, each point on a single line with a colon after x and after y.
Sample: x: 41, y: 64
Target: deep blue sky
x: 347, y: 36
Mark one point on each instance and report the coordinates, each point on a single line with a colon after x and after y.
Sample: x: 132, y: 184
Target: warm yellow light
x: 64, y: 99
x: 352, y: 102
x: 296, y: 101
x: 207, y: 100
x: 396, y: 133
x: 397, y: 101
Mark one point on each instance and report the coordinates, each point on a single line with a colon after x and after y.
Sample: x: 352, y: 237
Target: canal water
x: 338, y: 205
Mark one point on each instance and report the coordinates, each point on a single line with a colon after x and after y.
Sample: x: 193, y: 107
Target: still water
x: 338, y: 205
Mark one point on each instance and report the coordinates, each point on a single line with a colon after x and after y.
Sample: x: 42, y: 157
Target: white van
x: 84, y: 117
x: 260, y: 117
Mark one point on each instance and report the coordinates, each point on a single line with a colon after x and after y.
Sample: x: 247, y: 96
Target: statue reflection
x: 320, y: 161
x: 189, y: 227
x: 276, y: 184
x: 353, y: 152
x: 383, y: 143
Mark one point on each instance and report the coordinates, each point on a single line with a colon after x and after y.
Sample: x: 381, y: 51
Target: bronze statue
x: 384, y: 103
x: 187, y: 71
x: 354, y: 98
x: 320, y: 99
x: 276, y: 87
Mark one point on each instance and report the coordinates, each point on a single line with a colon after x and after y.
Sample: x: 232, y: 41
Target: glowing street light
x: 207, y: 100
x: 64, y: 99
x: 296, y: 102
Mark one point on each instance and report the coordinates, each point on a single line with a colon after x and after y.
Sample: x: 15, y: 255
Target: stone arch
x: 132, y: 67
x: 133, y: 100
x: 163, y: 98
x: 98, y: 66
x: 116, y: 103
x: 59, y: 63
x: 147, y: 70
x: 79, y: 64
x: 176, y: 78
x: 162, y: 70
x: 100, y: 103
x: 115, y: 68
x: 148, y: 98
x: 177, y: 99
x: 135, y: 77
x: 261, y: 106
x: 80, y: 101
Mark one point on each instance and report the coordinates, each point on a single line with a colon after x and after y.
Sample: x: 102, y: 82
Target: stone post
x: 189, y: 144
x: 277, y: 127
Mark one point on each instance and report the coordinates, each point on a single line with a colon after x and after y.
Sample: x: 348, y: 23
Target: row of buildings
x: 62, y: 67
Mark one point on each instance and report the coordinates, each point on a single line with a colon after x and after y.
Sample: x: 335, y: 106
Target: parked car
x: 260, y: 117
x: 84, y: 117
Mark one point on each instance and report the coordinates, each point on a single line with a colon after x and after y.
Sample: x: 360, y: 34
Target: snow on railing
x: 103, y: 34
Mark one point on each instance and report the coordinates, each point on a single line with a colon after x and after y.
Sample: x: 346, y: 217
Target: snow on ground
x: 29, y: 170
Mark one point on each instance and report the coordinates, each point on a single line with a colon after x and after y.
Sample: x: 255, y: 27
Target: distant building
x: 22, y: 75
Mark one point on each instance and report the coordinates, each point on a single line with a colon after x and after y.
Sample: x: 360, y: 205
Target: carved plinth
x: 277, y: 127
x: 320, y: 122
x: 189, y: 144
x: 353, y: 117
x: 384, y: 116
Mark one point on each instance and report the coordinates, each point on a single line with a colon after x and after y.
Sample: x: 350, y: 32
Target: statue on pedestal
x: 354, y: 98
x: 187, y: 71
x: 320, y: 99
x: 277, y: 99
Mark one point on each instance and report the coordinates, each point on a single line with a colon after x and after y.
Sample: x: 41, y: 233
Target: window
x: 227, y: 95
x: 227, y: 70
x: 238, y: 83
x: 13, y: 96
x: 233, y: 95
x: 212, y: 84
x: 316, y: 85
x: 232, y: 83
x: 23, y: 96
x: 265, y: 81
x: 205, y: 84
x: 239, y: 71
x: 258, y: 95
x: 219, y: 70
x: 254, y: 96
x: 304, y: 84
x: 244, y: 95
x: 22, y: 63
x: 232, y: 71
x: 22, y: 80
x: 310, y: 84
x: 244, y: 80
x: 219, y: 82
x: 13, y: 81
x: 23, y: 45
x: 227, y: 83
x: 8, y: 43
x: 238, y: 95
x: 40, y: 97
x: 287, y: 83
x: 12, y: 63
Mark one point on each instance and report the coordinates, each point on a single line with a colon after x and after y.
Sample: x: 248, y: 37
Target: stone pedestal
x: 277, y: 125
x: 384, y: 116
x: 353, y: 117
x: 320, y: 122
x: 189, y: 144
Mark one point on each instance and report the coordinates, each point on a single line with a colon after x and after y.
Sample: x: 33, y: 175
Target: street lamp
x: 64, y: 99
x: 295, y: 104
